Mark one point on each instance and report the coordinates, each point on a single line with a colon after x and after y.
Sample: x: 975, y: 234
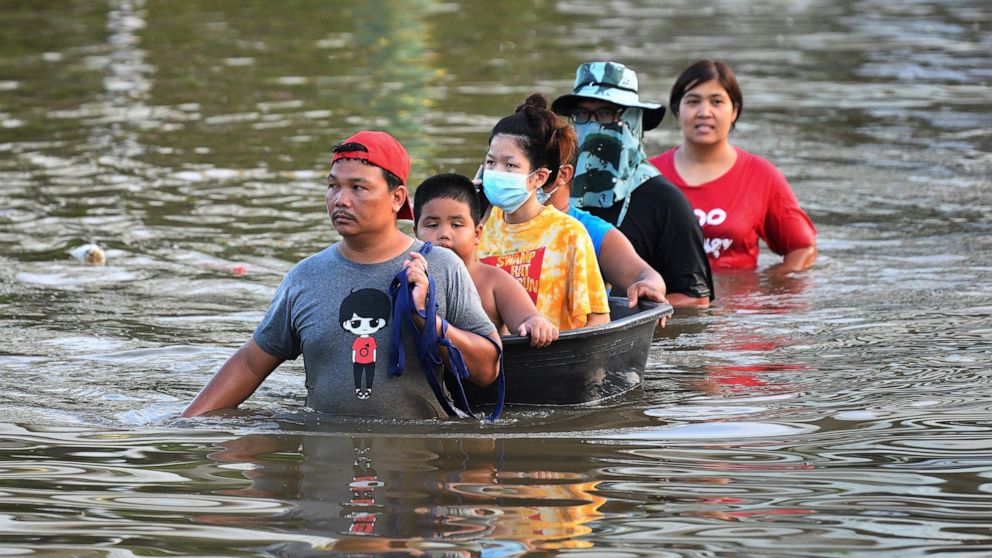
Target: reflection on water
x: 376, y: 494
x: 899, y: 484
x: 840, y: 412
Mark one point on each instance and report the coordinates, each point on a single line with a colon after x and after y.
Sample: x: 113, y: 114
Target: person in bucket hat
x: 614, y: 180
x: 335, y: 307
x: 612, y: 82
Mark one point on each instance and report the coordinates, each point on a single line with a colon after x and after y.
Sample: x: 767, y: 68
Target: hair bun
x: 536, y: 102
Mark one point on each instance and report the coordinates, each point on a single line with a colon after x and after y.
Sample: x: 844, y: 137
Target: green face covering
x: 611, y: 162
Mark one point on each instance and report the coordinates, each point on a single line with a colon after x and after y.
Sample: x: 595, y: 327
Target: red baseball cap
x: 383, y: 151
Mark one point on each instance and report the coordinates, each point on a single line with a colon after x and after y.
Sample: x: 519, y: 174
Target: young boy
x: 446, y: 212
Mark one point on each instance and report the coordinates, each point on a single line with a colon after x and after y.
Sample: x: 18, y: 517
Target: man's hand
x: 416, y: 276
x: 542, y: 332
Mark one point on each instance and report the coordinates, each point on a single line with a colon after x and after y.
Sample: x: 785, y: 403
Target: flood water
x: 840, y: 412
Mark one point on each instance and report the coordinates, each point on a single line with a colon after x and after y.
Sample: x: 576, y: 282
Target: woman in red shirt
x: 737, y: 197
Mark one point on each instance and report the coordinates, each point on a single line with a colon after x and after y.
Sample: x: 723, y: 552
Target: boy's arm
x: 235, y: 381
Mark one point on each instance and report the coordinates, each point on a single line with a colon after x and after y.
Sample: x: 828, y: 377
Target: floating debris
x: 89, y: 254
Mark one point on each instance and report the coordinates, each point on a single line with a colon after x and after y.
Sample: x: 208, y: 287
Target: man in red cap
x: 334, y: 307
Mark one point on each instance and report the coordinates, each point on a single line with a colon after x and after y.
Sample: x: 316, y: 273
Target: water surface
x: 840, y: 412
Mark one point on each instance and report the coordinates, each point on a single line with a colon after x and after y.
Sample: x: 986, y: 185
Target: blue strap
x: 428, y: 345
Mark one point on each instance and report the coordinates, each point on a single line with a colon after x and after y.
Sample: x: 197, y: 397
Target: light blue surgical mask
x: 506, y: 190
x: 543, y: 196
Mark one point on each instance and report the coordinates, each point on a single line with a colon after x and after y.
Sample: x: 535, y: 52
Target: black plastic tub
x: 588, y: 366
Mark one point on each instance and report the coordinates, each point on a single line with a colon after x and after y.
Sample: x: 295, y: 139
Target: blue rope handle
x: 428, y: 345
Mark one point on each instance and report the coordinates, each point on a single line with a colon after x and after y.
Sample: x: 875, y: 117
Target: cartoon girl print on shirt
x: 364, y: 312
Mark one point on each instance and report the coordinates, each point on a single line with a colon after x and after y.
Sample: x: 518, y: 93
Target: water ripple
x: 842, y: 411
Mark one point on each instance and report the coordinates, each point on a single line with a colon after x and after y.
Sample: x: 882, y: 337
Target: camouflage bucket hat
x: 608, y: 81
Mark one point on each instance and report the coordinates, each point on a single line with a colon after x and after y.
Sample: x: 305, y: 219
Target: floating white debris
x: 292, y: 80
x: 90, y: 254
x: 239, y: 61
x: 856, y: 415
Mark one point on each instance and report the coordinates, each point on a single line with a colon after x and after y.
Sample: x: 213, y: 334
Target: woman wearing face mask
x: 738, y: 197
x: 549, y: 252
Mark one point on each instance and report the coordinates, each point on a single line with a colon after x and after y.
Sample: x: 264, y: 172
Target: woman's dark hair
x: 541, y: 134
x: 702, y: 71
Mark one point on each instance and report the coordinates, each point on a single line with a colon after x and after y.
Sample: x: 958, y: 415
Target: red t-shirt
x: 364, y: 348
x: 752, y: 200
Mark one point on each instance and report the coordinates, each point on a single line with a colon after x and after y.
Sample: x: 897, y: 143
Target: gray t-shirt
x: 338, y: 315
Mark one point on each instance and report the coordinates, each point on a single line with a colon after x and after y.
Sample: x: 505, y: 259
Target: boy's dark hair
x: 450, y: 186
x: 392, y: 181
x: 365, y: 303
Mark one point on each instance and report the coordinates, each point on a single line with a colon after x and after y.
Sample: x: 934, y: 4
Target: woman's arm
x: 584, y: 276
x: 596, y: 319
x: 788, y: 229
x: 799, y: 259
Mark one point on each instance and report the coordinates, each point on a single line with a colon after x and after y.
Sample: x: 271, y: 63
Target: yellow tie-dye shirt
x: 553, y: 258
